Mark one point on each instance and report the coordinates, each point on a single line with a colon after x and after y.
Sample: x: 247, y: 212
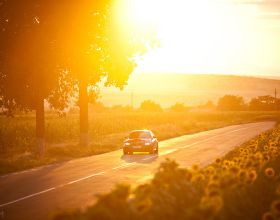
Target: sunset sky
x: 210, y: 36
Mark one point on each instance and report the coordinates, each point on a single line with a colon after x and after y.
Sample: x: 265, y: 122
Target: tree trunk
x: 83, y: 101
x: 40, y: 126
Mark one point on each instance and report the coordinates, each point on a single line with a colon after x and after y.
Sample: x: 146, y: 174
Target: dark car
x: 141, y: 141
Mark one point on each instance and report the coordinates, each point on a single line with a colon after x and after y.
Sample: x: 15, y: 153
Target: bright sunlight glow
x: 204, y: 36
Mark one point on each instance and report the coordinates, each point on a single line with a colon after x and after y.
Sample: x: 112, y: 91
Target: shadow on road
x: 139, y: 158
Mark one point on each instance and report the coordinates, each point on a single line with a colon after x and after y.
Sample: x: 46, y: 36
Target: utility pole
x: 131, y: 100
x: 275, y: 98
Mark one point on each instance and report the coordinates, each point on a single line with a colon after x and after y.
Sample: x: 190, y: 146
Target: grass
x: 107, y: 131
x: 244, y: 185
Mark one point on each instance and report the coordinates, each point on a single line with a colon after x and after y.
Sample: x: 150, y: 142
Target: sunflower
x: 275, y: 207
x: 268, y: 216
x: 269, y: 172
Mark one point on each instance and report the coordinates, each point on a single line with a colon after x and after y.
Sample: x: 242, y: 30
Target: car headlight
x: 147, y: 144
x: 126, y: 144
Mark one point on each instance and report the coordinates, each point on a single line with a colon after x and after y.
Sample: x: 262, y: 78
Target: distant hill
x: 168, y: 89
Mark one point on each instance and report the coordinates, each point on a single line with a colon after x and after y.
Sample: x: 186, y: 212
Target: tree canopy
x: 50, y: 50
x: 42, y: 40
x: 149, y: 105
x: 231, y: 103
x: 30, y: 67
x: 264, y: 103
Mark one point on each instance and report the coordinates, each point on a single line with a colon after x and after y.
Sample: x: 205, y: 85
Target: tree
x: 231, y: 103
x: 149, y: 105
x: 97, y: 49
x: 264, y: 103
x: 48, y: 54
x: 178, y: 107
x: 209, y: 105
x: 30, y: 70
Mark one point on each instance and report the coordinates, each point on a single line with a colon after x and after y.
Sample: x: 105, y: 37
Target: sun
x: 197, y: 36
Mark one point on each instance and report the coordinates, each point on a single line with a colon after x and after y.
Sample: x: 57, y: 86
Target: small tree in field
x: 209, y: 105
x: 231, y: 103
x: 150, y: 106
x: 178, y: 107
x: 264, y: 103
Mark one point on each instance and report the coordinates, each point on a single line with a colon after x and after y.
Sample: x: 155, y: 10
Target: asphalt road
x: 39, y: 193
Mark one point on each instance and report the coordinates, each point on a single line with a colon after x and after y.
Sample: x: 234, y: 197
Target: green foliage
x: 243, y: 185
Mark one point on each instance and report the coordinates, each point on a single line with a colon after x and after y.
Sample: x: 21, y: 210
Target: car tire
x: 125, y: 152
x: 156, y: 151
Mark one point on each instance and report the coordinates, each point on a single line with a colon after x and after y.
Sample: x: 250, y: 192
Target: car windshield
x: 140, y: 134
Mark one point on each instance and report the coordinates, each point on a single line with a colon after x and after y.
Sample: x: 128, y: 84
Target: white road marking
x: 150, y: 157
x: 145, y: 178
x: 50, y: 189
x: 168, y: 151
x: 84, y: 178
x: 27, y: 197
x: 207, y: 139
x: 254, y: 126
x: 123, y: 166
x: 198, y: 142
